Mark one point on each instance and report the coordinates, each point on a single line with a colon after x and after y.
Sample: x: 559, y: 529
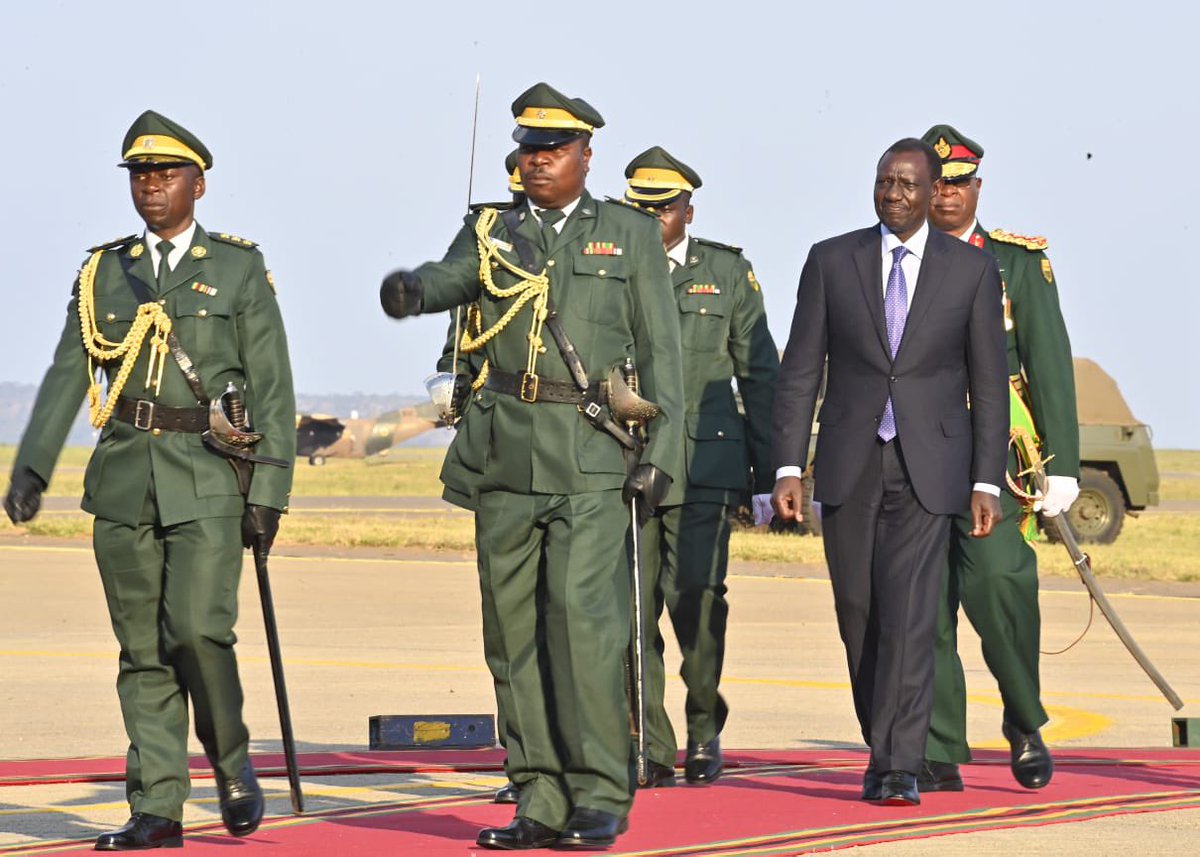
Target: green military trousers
x: 685, y: 556
x: 554, y: 575
x: 996, y: 581
x: 172, y: 599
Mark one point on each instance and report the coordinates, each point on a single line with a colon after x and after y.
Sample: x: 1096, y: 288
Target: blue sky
x: 341, y: 135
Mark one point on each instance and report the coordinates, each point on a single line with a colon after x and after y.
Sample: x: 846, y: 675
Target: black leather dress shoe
x: 241, y: 801
x: 704, y: 763
x: 521, y: 834
x: 872, y: 784
x: 939, y: 777
x: 142, y: 832
x: 591, y: 828
x: 658, y: 776
x: 1031, y: 763
x: 899, y: 788
x: 508, y: 794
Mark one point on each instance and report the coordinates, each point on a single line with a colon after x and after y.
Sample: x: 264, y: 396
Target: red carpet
x: 768, y: 803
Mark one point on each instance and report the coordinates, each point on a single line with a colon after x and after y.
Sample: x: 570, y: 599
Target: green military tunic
x: 995, y: 579
x: 550, y: 524
x: 723, y: 329
x: 167, y: 533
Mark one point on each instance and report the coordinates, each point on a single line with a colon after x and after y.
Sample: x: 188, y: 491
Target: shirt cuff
x: 986, y: 488
x: 789, y: 470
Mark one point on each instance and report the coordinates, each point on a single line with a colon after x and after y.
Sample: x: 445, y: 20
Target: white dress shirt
x: 566, y: 210
x: 911, y: 265
x: 678, y: 255
x: 179, y: 245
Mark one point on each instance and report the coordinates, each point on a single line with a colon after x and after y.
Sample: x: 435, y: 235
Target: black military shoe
x: 241, y: 801
x: 1031, y: 763
x: 508, y: 794
x: 704, y: 763
x: 939, y: 777
x: 899, y: 788
x: 142, y: 832
x: 591, y: 828
x: 872, y: 784
x: 658, y: 776
x: 521, y: 834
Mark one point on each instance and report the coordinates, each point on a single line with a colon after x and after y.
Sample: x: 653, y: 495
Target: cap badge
x: 942, y: 148
x: 148, y: 143
x: 541, y: 114
x: 199, y: 252
x: 136, y: 251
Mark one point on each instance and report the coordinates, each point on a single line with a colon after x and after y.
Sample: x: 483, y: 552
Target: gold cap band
x: 150, y: 146
x: 656, y: 177
x: 552, y: 117
x: 641, y: 194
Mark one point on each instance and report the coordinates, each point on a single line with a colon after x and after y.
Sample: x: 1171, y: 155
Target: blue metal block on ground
x: 425, y: 731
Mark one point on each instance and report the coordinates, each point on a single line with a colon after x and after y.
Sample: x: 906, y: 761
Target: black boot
x: 241, y: 801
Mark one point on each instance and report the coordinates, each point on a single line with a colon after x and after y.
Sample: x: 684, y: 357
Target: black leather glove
x: 462, y: 392
x: 650, y: 485
x: 401, y: 294
x: 24, y: 496
x: 259, y: 524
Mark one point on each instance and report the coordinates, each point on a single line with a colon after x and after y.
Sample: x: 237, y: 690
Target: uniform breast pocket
x: 205, y: 323
x: 113, y: 319
x: 703, y: 325
x: 605, y: 279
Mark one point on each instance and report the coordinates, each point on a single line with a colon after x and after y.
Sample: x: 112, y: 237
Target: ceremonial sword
x: 458, y: 309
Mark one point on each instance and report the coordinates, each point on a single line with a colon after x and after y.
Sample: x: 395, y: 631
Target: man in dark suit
x: 911, y: 323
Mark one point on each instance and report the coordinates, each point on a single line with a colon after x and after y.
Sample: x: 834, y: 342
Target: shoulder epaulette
x: 120, y: 242
x: 477, y: 207
x: 718, y: 245
x: 226, y: 238
x: 621, y: 201
x: 1034, y: 244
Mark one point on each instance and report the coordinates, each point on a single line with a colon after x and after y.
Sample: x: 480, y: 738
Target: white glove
x: 1061, y: 492
x: 763, y: 513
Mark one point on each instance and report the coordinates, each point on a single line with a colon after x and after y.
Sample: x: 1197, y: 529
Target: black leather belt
x: 145, y: 415
x: 532, y: 388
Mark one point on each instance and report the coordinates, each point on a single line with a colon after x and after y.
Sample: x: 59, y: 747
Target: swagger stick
x: 281, y: 698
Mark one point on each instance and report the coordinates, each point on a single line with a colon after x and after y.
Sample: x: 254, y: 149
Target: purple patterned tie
x: 895, y: 308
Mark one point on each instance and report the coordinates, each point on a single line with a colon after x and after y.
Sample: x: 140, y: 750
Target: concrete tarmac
x: 398, y: 632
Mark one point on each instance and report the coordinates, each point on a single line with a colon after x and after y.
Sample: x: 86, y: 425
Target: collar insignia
x: 136, y: 251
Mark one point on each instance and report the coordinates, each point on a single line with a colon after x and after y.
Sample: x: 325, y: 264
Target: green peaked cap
x: 656, y: 177
x: 546, y: 118
x: 960, y: 154
x: 155, y: 139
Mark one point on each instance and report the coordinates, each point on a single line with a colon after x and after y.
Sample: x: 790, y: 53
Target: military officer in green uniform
x: 723, y: 329
x: 170, y: 520
x: 568, y: 288
x: 995, y: 579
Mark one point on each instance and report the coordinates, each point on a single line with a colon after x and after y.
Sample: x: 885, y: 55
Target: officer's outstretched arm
x: 455, y: 279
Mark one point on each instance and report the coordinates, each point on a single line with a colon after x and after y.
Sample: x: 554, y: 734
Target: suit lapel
x: 868, y: 259
x: 191, y: 267
x: 929, y: 283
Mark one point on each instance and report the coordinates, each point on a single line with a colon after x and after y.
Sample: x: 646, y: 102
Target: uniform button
x: 112, y: 316
x: 703, y: 310
x: 893, y: 378
x: 156, y: 432
x: 720, y: 434
x: 550, y: 264
x: 495, y: 265
x: 162, y: 301
x: 202, y: 313
x: 601, y: 272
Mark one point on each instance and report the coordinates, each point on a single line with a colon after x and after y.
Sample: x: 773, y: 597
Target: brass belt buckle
x: 529, y: 387
x: 143, y: 415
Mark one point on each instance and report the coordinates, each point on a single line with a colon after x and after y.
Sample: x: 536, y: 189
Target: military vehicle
x: 320, y: 436
x: 1118, y: 472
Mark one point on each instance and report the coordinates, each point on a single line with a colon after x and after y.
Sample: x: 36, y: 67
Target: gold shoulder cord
x: 533, y: 287
x: 100, y: 350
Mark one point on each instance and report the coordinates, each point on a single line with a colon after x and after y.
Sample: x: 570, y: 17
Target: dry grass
x: 1156, y: 546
